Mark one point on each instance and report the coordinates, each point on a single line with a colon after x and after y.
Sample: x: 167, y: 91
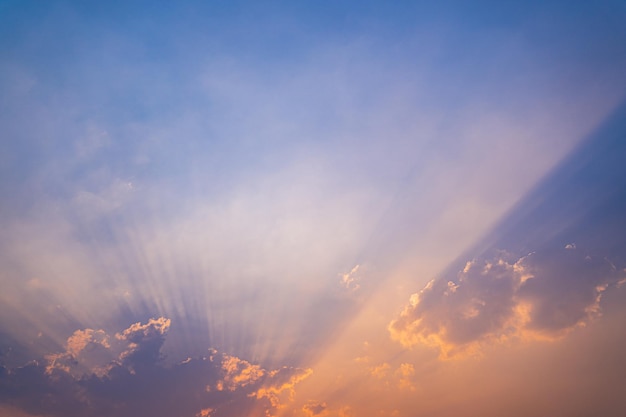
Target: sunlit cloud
x: 314, y: 408
x: 135, y: 379
x: 350, y: 280
x: 87, y: 352
x: 545, y: 294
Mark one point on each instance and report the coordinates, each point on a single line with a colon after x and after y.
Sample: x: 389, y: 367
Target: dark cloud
x: 144, y: 343
x: 544, y: 295
x: 563, y: 288
x: 134, y: 382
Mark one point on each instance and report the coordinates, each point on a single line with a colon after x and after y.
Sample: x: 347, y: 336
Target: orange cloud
x: 281, y: 383
x: 540, y: 296
x: 126, y: 374
x: 237, y: 373
x: 314, y: 408
x: 87, y: 352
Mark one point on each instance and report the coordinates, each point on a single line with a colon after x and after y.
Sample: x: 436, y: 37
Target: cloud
x: 88, y: 351
x: 81, y: 382
x: 102, y: 200
x: 350, y: 280
x: 94, y: 352
x: 314, y: 408
x: 391, y: 378
x: 237, y: 373
x: 144, y: 342
x: 542, y: 295
x: 205, y: 412
x: 405, y: 373
x: 281, y: 382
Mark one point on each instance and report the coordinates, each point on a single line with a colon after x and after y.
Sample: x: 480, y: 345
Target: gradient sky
x: 312, y: 208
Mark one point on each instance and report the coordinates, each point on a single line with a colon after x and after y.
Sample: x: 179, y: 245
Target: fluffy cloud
x: 237, y: 373
x: 541, y: 295
x: 87, y: 351
x: 281, y: 383
x: 94, y: 352
x: 80, y: 381
x: 144, y: 343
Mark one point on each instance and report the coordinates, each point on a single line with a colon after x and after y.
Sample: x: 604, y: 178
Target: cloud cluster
x: 99, y: 375
x: 542, y: 295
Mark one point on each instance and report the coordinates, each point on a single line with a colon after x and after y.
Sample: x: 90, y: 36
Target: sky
x: 312, y: 208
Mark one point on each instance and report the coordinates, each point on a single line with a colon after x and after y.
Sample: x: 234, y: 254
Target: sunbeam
x: 317, y: 209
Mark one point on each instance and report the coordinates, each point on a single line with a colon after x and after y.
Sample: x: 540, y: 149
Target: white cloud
x: 350, y: 280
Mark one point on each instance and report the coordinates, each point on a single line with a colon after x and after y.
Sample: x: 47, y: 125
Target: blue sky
x: 285, y: 207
